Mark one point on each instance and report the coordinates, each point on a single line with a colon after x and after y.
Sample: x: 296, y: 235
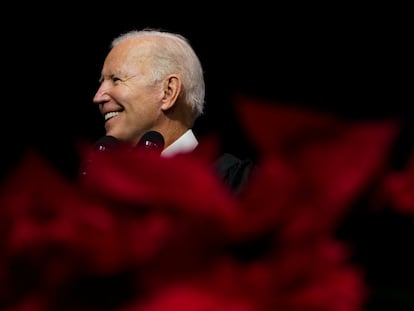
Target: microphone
x: 104, y: 144
x: 152, y: 141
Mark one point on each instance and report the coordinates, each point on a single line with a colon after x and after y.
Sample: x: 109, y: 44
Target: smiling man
x: 153, y: 81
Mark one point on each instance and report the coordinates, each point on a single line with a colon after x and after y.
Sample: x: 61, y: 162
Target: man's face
x: 128, y: 103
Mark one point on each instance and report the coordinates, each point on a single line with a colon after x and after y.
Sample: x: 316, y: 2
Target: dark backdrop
x: 348, y: 60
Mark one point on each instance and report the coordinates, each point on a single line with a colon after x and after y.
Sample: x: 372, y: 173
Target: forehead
x: 129, y: 56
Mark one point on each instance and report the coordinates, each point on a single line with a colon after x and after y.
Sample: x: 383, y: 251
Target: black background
x: 350, y: 60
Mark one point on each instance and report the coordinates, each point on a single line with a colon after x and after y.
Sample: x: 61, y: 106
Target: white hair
x: 174, y: 55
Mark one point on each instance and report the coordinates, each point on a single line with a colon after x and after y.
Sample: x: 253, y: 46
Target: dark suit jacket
x: 234, y: 171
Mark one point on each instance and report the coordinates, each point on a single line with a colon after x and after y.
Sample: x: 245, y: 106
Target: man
x: 152, y: 81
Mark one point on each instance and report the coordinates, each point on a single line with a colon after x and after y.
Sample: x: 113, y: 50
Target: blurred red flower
x: 140, y: 232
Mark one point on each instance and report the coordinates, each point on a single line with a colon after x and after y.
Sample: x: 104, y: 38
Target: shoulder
x: 234, y: 170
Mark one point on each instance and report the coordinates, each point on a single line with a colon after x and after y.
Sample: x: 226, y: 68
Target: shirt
x: 185, y: 143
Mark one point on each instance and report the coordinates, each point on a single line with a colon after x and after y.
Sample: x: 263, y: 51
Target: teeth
x: 110, y: 115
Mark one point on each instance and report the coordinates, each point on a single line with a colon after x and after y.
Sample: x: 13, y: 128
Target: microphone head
x: 152, y: 140
x: 105, y: 143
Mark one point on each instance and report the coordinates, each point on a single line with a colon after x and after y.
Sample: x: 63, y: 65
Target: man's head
x: 150, y: 80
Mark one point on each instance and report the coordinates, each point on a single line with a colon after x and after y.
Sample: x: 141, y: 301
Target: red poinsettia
x: 397, y: 189
x: 333, y: 159
x: 140, y: 232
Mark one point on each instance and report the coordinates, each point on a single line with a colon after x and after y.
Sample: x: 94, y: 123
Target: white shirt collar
x: 186, y: 143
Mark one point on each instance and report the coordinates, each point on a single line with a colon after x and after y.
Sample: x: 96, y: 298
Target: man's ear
x: 172, y: 89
